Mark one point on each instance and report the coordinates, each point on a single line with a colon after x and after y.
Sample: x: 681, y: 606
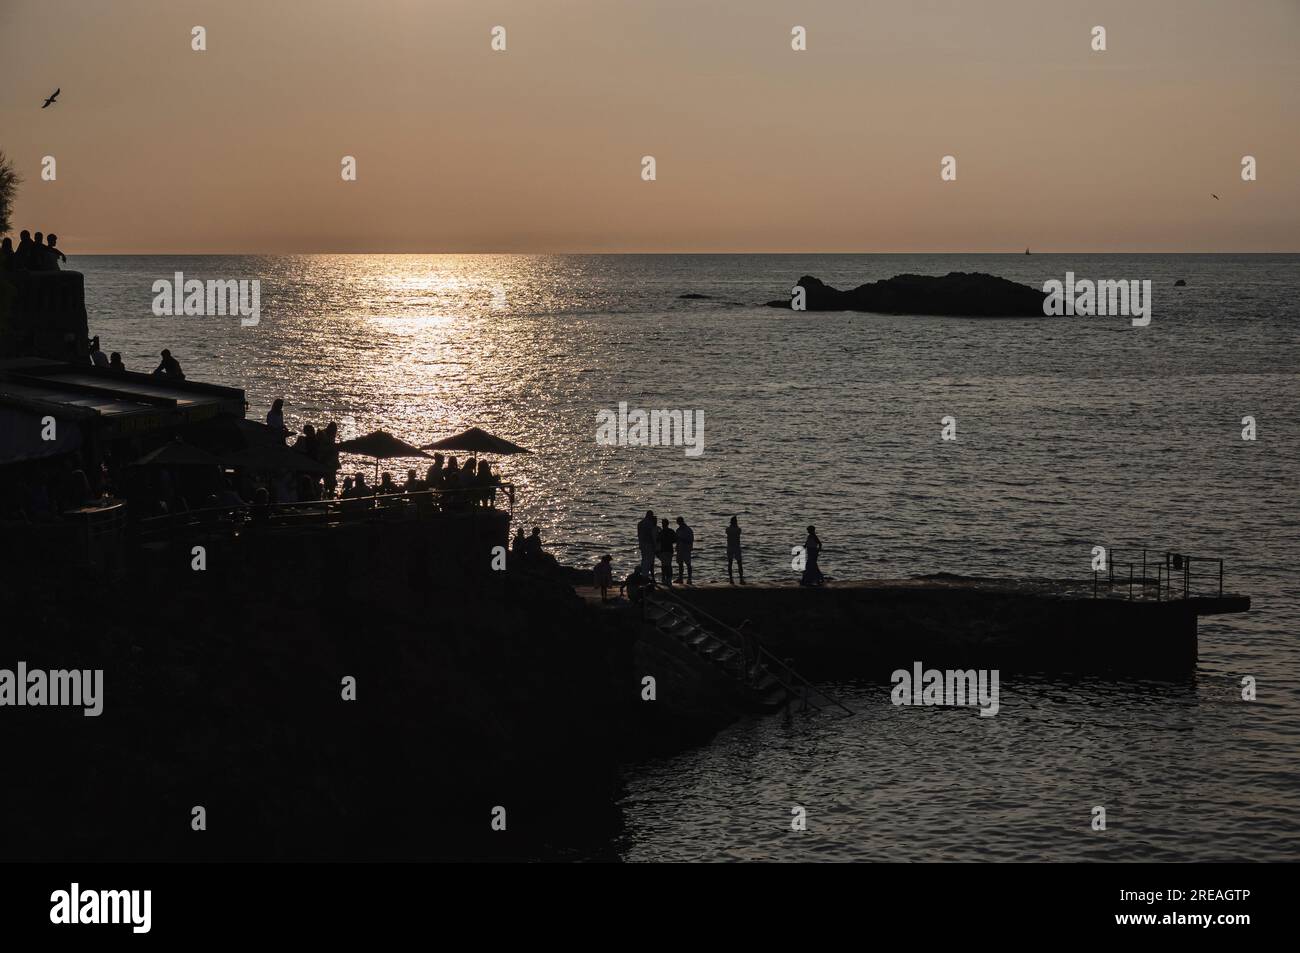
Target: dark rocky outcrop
x: 956, y: 294
x: 1180, y: 283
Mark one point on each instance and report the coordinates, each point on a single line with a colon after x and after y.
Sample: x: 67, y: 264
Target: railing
x: 752, y: 653
x: 395, y: 507
x: 1177, y: 575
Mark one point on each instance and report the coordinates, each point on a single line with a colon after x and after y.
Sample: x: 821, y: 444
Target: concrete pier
x: 869, y: 628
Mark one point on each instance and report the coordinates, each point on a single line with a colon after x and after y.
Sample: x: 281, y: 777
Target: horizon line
x: 615, y: 254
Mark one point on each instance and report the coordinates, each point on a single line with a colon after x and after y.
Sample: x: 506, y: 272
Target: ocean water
x: 1072, y: 432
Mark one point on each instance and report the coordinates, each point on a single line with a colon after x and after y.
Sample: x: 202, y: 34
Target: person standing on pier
x: 604, y: 575
x: 645, y: 538
x: 812, y: 547
x: 667, y: 541
x: 685, y: 543
x: 733, y: 552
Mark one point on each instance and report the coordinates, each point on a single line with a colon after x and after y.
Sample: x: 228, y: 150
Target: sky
x: 758, y: 147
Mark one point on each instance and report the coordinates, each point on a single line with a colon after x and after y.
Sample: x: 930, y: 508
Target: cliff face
x: 43, y: 314
x: 957, y: 294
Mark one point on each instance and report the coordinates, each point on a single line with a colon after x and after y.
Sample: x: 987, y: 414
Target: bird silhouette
x: 53, y: 96
x: 1213, y: 196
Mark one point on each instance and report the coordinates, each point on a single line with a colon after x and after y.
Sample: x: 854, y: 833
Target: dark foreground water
x: 1072, y: 432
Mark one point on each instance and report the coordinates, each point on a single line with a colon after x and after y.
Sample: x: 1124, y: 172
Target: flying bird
x: 1213, y: 196
x: 53, y: 96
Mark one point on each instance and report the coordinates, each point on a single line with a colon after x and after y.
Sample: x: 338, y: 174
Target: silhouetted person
x: 667, y: 542
x: 634, y: 585
x: 307, y: 443
x: 97, y: 357
x: 533, y: 547
x: 412, y: 484
x: 7, y: 255
x: 685, y: 543
x: 646, y: 540
x: 488, y: 483
x: 604, y: 575
x: 115, y: 362
x: 386, y: 485
x: 56, y: 254
x: 39, y: 255
x: 733, y: 551
x: 433, y: 479
x: 519, y: 545
x: 812, y: 547
x: 275, y: 416
x: 261, y: 506
x: 23, y: 254
x: 170, y: 367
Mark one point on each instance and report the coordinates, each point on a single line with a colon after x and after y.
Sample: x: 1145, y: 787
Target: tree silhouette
x: 9, y: 180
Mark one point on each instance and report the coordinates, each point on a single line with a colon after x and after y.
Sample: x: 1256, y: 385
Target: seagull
x: 53, y: 96
x: 1213, y: 196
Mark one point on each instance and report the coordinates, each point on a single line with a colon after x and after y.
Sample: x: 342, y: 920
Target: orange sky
x: 759, y: 148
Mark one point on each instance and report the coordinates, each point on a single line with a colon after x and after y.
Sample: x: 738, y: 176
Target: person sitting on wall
x: 55, y: 255
x: 519, y: 545
x: 170, y: 367
x: 533, y: 547
x: 97, y: 357
x: 115, y: 362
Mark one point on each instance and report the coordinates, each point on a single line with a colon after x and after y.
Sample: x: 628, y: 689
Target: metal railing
x: 1177, y: 575
x: 385, y: 507
x: 752, y: 654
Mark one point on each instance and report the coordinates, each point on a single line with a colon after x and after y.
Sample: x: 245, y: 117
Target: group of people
x: 661, y: 541
x: 104, y: 361
x: 470, y: 484
x: 475, y: 483
x: 168, y: 367
x: 32, y: 254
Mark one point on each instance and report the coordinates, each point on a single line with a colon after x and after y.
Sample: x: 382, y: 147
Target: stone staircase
x: 731, y: 654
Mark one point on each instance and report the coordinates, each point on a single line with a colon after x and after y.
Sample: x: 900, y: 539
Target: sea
x: 1070, y: 433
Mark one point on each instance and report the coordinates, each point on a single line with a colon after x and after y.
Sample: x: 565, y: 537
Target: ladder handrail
x: 763, y: 654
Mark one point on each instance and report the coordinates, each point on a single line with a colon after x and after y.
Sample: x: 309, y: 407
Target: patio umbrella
x: 177, y: 454
x: 382, y: 446
x: 476, y: 440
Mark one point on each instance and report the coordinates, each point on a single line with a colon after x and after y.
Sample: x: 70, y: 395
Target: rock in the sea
x: 1180, y: 283
x: 956, y: 294
x: 692, y: 296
